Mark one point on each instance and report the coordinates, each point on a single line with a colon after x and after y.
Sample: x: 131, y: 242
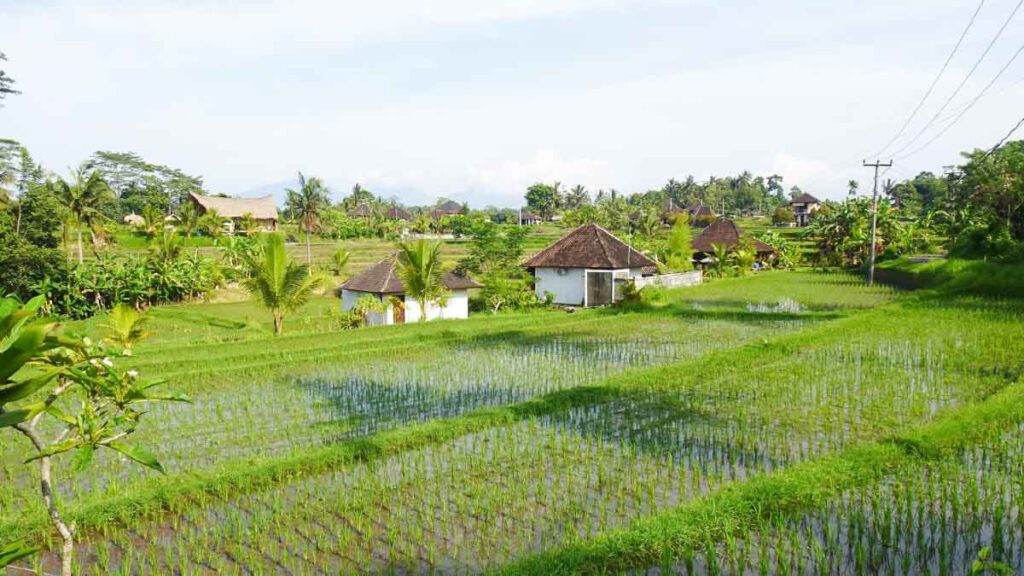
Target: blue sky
x: 475, y: 100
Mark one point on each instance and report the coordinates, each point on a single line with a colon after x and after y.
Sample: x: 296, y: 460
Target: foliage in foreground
x: 74, y: 386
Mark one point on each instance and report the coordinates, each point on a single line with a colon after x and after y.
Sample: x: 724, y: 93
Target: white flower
x: 107, y: 362
x: 94, y: 362
x: 133, y: 373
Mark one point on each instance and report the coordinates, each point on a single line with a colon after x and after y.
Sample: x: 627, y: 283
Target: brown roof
x: 361, y: 211
x: 805, y: 198
x: 724, y: 233
x: 671, y: 207
x: 382, y: 278
x: 698, y: 210
x: 589, y: 246
x: 450, y: 207
x: 398, y: 213
x: 260, y: 208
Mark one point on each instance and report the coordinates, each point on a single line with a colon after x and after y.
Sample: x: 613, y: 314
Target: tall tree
x: 419, y: 267
x: 83, y: 197
x: 306, y: 205
x: 576, y: 197
x: 6, y: 82
x: 278, y: 283
x: 138, y: 183
x: 357, y: 197
x: 542, y: 199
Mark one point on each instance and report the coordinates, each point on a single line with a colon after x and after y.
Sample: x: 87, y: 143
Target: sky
x: 475, y: 100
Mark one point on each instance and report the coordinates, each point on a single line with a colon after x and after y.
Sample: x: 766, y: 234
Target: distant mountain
x: 406, y: 195
x: 275, y: 189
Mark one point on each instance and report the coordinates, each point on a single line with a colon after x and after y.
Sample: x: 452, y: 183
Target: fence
x: 670, y: 280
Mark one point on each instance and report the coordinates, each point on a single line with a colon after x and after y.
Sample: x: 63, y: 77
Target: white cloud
x: 483, y: 98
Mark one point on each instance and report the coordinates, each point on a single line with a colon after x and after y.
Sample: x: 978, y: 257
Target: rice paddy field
x: 787, y: 423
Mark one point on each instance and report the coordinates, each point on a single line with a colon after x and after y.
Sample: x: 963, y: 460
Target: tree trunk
x: 278, y: 323
x: 80, y: 244
x: 46, y: 488
x: 309, y: 254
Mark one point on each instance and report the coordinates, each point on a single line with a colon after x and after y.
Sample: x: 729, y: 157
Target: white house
x: 804, y: 207
x: 587, y: 267
x: 381, y: 282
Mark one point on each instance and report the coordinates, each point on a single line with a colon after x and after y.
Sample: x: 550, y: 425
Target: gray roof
x: 382, y: 278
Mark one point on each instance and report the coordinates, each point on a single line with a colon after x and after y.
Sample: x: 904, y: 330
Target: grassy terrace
x: 722, y: 431
x: 364, y: 252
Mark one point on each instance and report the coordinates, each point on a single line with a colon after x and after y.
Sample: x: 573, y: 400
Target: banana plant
x: 41, y: 370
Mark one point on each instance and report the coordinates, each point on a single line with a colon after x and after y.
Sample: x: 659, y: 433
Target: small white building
x: 804, y: 207
x: 382, y: 283
x: 587, y: 267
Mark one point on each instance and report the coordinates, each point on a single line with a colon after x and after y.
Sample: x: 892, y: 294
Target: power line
x: 969, y: 105
x: 938, y: 76
x: 963, y: 82
x: 1005, y: 138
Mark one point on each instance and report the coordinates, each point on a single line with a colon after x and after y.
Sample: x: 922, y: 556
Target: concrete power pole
x: 874, y: 217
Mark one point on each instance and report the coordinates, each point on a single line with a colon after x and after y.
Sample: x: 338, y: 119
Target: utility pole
x: 874, y: 217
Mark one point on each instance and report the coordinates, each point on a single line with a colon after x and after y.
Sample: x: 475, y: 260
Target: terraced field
x: 785, y: 423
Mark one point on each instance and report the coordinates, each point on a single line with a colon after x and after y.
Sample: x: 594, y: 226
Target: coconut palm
x: 188, y: 218
x: 126, y: 326
x: 166, y: 246
x: 82, y: 197
x: 721, y: 257
x: 339, y: 260
x: 306, y: 204
x: 278, y: 284
x: 419, y: 268
x: 212, y: 223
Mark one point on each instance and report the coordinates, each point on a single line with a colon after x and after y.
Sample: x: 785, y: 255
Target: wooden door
x: 398, y: 311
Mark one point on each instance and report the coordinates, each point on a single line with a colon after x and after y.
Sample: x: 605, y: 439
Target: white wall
x: 567, y: 287
x: 348, y: 302
x: 456, y: 307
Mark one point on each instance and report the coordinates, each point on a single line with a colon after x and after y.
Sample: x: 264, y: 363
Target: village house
x: 587, y: 267
x: 527, y: 218
x: 804, y: 206
x: 726, y: 233
x: 262, y: 210
x: 700, y: 213
x: 382, y: 282
x: 397, y: 213
x: 361, y: 211
x: 449, y: 208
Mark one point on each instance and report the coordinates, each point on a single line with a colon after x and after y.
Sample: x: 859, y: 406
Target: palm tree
x: 721, y: 252
x: 306, y: 204
x: 83, y: 198
x: 166, y: 247
x: 211, y: 222
x: 419, y: 268
x: 279, y: 284
x: 126, y: 326
x: 188, y: 219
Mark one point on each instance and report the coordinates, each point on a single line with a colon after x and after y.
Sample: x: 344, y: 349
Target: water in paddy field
x: 932, y: 519
x: 275, y: 417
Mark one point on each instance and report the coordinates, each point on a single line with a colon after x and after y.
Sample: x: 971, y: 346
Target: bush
x: 986, y: 242
x: 27, y: 269
x: 980, y: 277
